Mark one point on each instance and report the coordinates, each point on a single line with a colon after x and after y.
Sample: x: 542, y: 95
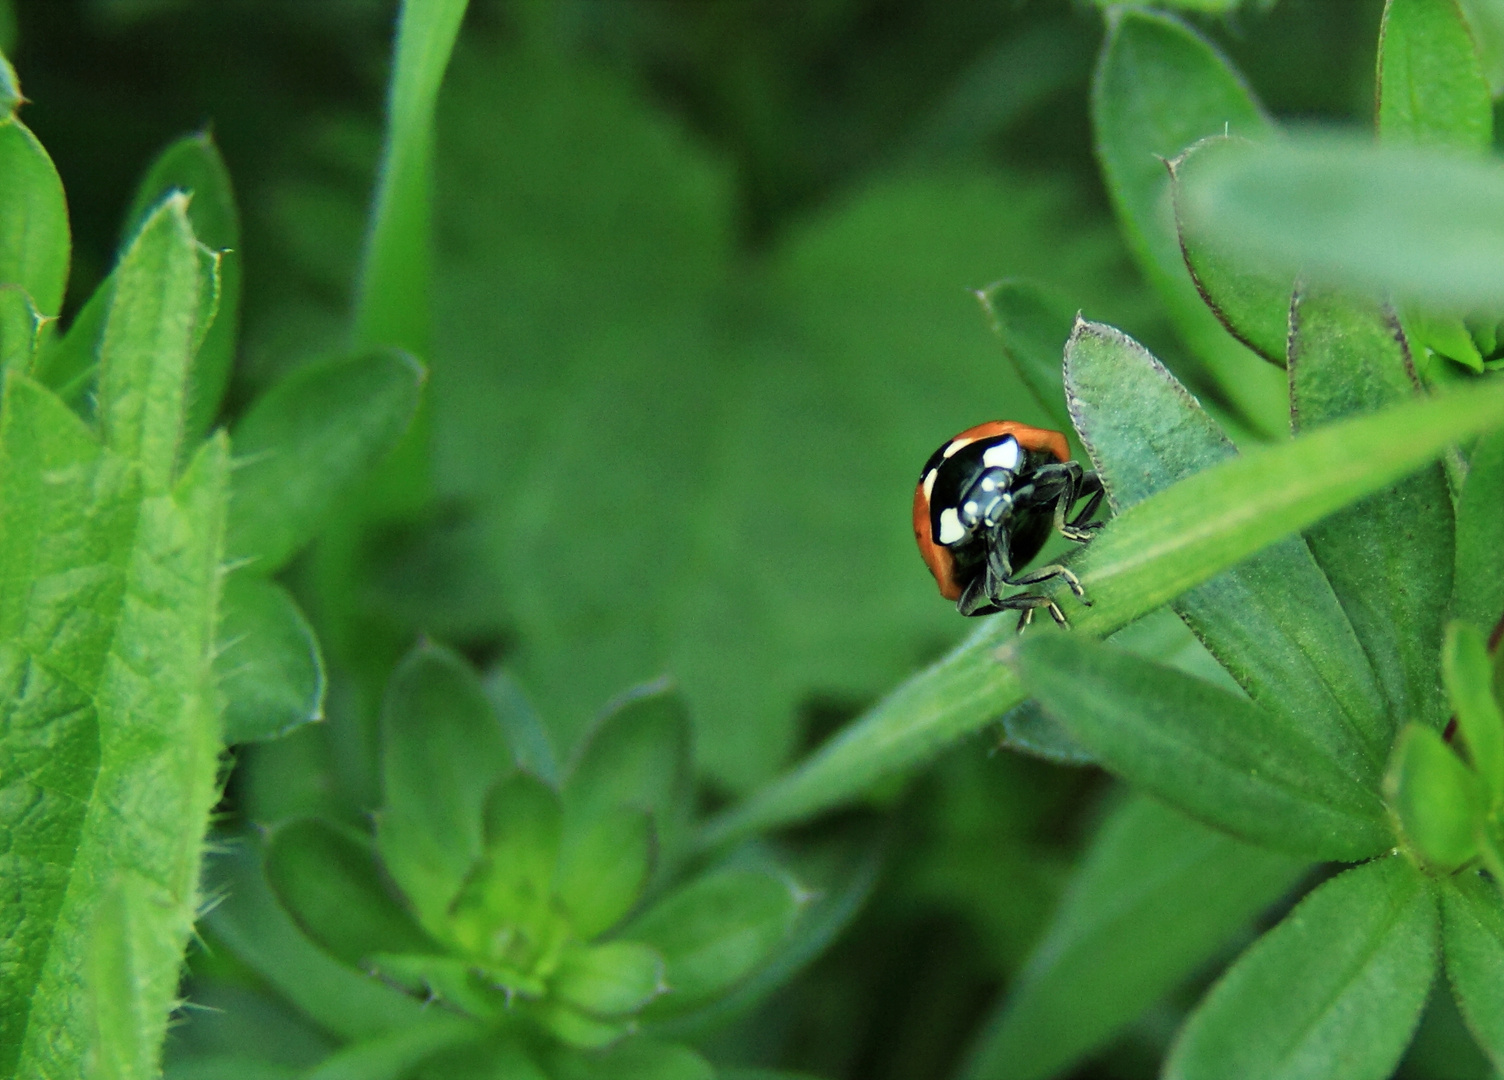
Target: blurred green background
x: 703, y: 305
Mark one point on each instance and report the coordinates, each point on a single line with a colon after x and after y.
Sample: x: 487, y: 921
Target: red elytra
x: 937, y: 557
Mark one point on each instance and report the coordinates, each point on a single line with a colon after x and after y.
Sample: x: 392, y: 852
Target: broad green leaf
x: 1033, y: 324
x: 638, y: 756
x: 1349, y: 357
x: 1272, y: 620
x: 1253, y: 306
x: 1145, y: 557
x: 307, y: 441
x: 330, y: 881
x: 158, y: 732
x: 1155, y: 896
x: 1435, y: 799
x: 1028, y: 729
x: 20, y: 329
x: 193, y: 165
x: 1431, y: 85
x: 1477, y: 585
x: 253, y: 927
x: 1468, y: 672
x: 148, y: 343
x: 121, y: 1051
x: 1472, y: 928
x: 442, y: 753
x: 1334, y: 990
x: 714, y: 932
x: 34, y: 238
x: 267, y: 661
x: 68, y: 363
x: 614, y: 979
x: 605, y: 862
x: 1159, y: 89
x: 1253, y: 773
x: 1421, y: 224
x: 524, y: 727
x: 393, y: 295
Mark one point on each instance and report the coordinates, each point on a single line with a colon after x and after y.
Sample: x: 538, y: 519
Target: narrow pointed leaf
x: 1146, y: 556
x: 1212, y: 755
x: 1346, y: 358
x: 1252, y: 304
x: 68, y: 363
x: 443, y: 752
x: 1033, y: 324
x: 34, y: 239
x: 523, y: 725
x: 1472, y: 927
x: 148, y: 343
x: 1272, y: 620
x: 193, y: 165
x: 1334, y: 990
x: 1477, y: 585
x: 1156, y: 896
x: 330, y: 881
x: 1418, y: 223
x: 714, y: 932
x: 1160, y: 88
x: 1431, y: 86
x: 1435, y: 799
x: 268, y: 662
x: 1468, y: 672
x: 307, y: 441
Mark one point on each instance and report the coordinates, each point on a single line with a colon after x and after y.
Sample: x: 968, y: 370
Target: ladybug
x: 985, y: 505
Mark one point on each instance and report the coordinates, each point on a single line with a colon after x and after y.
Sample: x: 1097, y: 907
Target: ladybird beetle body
x: 986, y: 503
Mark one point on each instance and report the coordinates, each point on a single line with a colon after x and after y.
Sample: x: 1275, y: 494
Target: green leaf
x: 1431, y: 87
x: 638, y: 757
x: 1435, y: 799
x: 1348, y: 358
x: 1145, y: 557
x: 635, y: 1059
x: 121, y: 1050
x: 253, y: 927
x: 1477, y: 586
x: 524, y: 727
x: 268, y: 663
x: 34, y: 238
x: 614, y: 979
x: 148, y: 343
x: 193, y: 165
x: 1272, y: 620
x: 1468, y: 672
x: 1334, y: 990
x: 1033, y: 323
x: 142, y: 654
x: 1472, y: 921
x: 512, y: 883
x: 1159, y: 89
x: 1426, y: 226
x: 68, y: 363
x: 1223, y: 760
x: 307, y: 441
x: 20, y: 329
x: 714, y: 932
x: 605, y: 863
x: 436, y: 722
x: 330, y: 881
x: 393, y: 1056
x: 1253, y: 306
x: 1154, y: 898
x: 392, y: 306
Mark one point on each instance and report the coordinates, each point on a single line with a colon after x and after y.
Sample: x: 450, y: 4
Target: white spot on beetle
x: 950, y: 526
x: 955, y: 445
x: 929, y: 483
x: 971, y: 508
x: 1002, y: 456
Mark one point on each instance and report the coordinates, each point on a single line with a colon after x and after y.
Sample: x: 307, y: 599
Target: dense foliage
x: 458, y: 615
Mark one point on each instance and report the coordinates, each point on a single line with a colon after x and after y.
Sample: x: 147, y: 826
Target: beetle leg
x: 1026, y: 604
x: 1046, y: 573
x: 1081, y: 528
x: 976, y: 598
